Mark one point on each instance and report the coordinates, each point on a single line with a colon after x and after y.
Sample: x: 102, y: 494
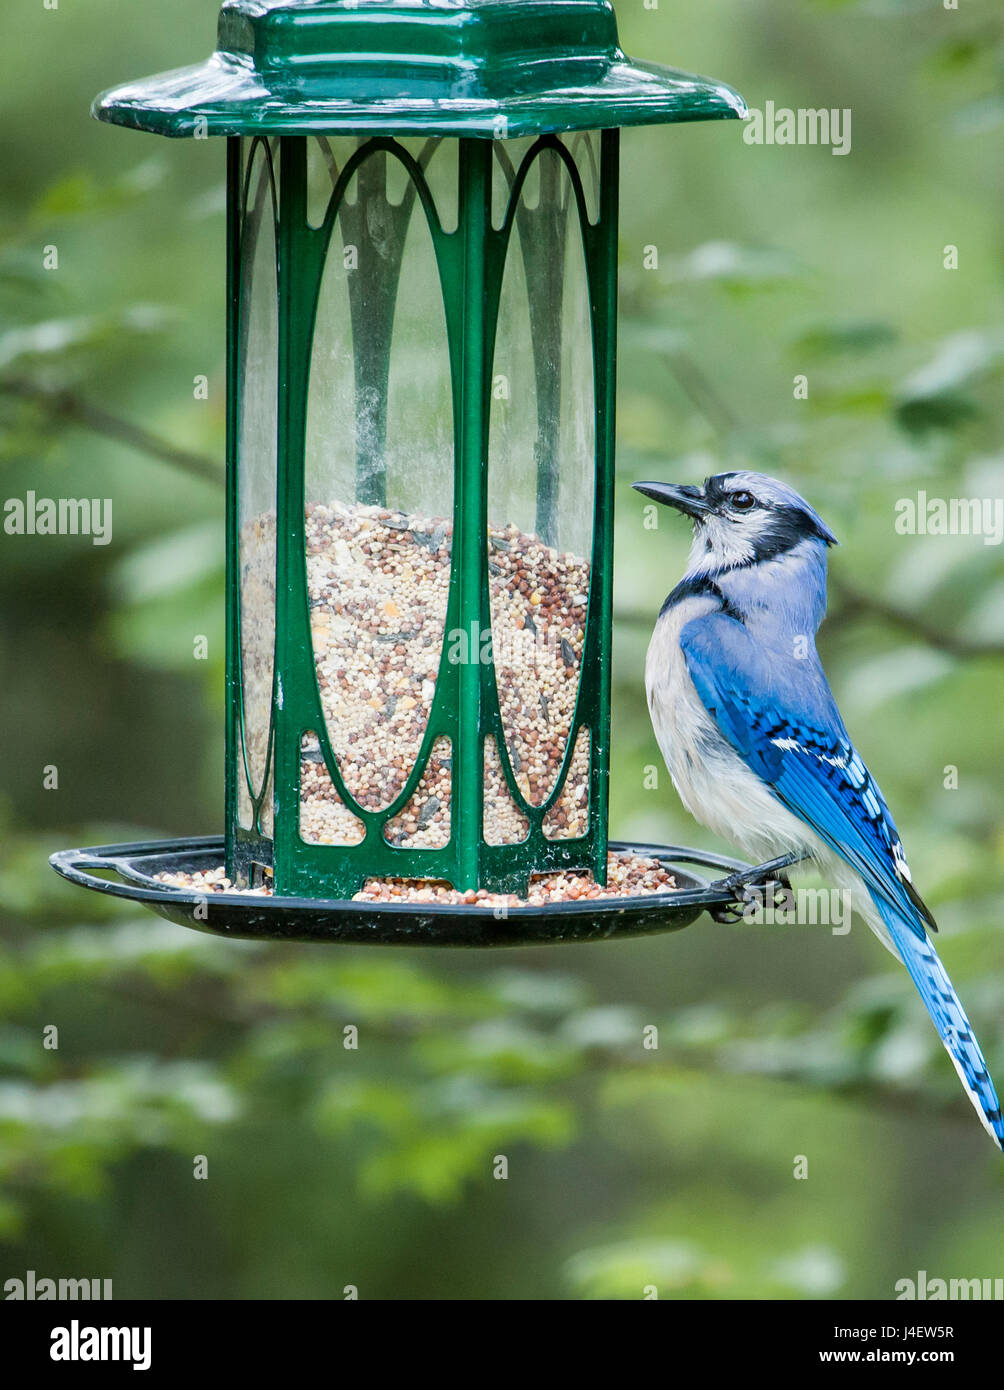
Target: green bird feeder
x: 421, y: 348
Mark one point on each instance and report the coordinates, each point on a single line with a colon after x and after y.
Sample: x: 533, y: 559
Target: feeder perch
x: 421, y: 346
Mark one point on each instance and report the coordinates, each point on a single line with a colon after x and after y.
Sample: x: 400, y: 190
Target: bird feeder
x: 421, y: 340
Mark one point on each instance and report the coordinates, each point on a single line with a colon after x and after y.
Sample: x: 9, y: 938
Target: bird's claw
x: 750, y: 895
x: 746, y: 888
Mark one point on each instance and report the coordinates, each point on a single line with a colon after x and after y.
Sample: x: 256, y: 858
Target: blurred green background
x: 627, y: 1167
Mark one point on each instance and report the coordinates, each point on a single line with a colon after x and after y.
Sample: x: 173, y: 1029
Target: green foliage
x: 628, y: 1166
x: 680, y: 1269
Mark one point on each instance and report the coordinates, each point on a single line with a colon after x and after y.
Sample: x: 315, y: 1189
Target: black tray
x: 259, y: 917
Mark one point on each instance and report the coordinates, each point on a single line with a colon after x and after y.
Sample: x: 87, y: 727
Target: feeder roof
x: 485, y: 68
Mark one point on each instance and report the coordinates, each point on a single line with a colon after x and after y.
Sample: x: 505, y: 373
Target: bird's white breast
x: 713, y: 782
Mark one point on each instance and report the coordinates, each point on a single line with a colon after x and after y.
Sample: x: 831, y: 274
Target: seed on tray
x: 628, y: 876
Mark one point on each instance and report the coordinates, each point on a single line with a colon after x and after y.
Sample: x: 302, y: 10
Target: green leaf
x: 841, y: 339
x: 81, y: 194
x: 675, y: 1268
x: 935, y: 396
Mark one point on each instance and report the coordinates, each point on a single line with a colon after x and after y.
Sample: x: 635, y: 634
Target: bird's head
x: 741, y: 519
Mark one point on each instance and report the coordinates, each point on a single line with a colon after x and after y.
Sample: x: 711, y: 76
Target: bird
x: 753, y: 739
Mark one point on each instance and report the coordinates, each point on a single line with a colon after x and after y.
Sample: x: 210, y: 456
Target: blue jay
x: 754, y: 741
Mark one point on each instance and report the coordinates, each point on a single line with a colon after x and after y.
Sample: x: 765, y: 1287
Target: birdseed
x: 628, y: 876
x: 378, y: 585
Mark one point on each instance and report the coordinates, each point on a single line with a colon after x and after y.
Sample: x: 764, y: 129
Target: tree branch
x: 856, y: 605
x: 70, y: 408
x: 67, y: 407
x: 699, y: 388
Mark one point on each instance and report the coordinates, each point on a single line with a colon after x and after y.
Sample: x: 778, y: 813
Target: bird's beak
x: 689, y: 500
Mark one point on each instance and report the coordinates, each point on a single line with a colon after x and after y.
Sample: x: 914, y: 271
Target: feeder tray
x: 254, y: 918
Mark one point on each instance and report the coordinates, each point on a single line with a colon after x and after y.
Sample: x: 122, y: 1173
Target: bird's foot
x: 749, y: 888
x: 751, y: 898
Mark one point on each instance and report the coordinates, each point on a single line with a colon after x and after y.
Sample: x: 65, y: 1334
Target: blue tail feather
x: 938, y: 994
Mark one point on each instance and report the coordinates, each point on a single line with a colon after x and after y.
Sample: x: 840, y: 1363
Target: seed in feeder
x: 431, y: 540
x: 377, y: 687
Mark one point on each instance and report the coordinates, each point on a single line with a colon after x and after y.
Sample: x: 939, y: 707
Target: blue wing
x: 779, y: 714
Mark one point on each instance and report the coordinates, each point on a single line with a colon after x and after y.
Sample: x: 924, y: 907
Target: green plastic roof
x: 415, y: 67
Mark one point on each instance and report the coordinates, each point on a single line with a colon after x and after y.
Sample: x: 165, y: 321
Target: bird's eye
x: 743, y: 501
